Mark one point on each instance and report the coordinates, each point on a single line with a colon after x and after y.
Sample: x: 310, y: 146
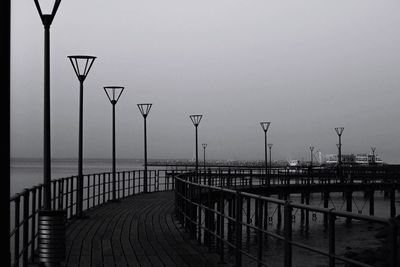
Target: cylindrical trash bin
x: 51, y: 241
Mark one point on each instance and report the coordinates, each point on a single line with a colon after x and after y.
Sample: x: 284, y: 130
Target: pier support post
x: 288, y: 234
x: 302, y: 211
x: 279, y: 214
x: 266, y: 216
x: 326, y: 204
x: 307, y: 198
x: 371, y: 203
x: 248, y: 217
x: 230, y: 227
x: 349, y: 204
x: 392, y: 203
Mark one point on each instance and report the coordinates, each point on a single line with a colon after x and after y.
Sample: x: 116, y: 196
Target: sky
x: 307, y: 66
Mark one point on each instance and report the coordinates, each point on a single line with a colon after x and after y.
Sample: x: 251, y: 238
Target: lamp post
x: 204, y: 157
x: 339, y: 132
x: 113, y: 93
x: 81, y: 65
x: 47, y: 15
x: 196, y: 121
x: 311, y: 156
x: 265, y: 126
x: 373, y: 155
x: 144, y: 110
x: 51, y: 237
x: 270, y: 156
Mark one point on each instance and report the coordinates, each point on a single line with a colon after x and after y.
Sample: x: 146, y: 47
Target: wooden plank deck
x: 138, y: 231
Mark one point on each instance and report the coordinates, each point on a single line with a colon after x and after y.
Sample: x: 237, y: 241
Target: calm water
x: 26, y: 173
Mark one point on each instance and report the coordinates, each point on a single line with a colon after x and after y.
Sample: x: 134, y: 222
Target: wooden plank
x: 138, y: 231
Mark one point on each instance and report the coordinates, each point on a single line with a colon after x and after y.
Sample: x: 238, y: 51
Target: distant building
x: 351, y: 159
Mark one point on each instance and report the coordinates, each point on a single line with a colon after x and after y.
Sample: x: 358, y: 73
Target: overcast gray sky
x: 307, y: 66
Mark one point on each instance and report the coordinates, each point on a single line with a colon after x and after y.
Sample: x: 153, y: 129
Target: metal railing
x: 218, y: 216
x: 97, y: 190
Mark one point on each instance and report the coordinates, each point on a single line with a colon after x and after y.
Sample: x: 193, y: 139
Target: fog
x: 307, y: 66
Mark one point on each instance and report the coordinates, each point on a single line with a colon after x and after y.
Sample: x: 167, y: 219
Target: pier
x: 199, y: 219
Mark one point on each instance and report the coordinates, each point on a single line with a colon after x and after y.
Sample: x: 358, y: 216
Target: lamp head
x: 339, y: 130
x: 196, y: 119
x: 265, y: 125
x: 144, y: 109
x: 47, y: 10
x: 113, y: 93
x: 81, y: 65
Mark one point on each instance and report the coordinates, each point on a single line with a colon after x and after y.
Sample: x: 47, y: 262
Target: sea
x: 28, y: 172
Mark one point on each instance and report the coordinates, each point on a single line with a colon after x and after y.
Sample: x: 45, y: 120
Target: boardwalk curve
x: 138, y: 231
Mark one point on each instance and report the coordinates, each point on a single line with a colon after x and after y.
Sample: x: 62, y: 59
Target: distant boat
x: 294, y: 163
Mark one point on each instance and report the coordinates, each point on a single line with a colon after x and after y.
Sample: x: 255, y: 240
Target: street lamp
x: 265, y: 126
x: 204, y: 157
x: 196, y: 121
x: 144, y: 110
x: 373, y: 155
x: 47, y: 14
x: 113, y: 93
x: 311, y: 156
x: 339, y: 132
x: 54, y: 220
x: 81, y: 65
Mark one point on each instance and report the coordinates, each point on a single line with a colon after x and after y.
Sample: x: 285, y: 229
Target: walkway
x: 138, y: 231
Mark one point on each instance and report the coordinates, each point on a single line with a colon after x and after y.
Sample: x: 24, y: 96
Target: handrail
x: 211, y: 207
x: 97, y: 191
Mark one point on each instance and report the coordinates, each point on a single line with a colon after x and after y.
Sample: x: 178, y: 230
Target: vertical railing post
x: 67, y: 192
x: 94, y: 190
x: 104, y: 187
x: 331, y: 238
x: 123, y: 184
x: 222, y: 228
x: 238, y: 222
x: 33, y: 223
x: 71, y: 200
x: 393, y: 243
x: 193, y: 212
x: 209, y: 219
x: 258, y: 222
x: 54, y: 198
x: 40, y: 196
x: 133, y: 182
x: 199, y: 214
x: 288, y: 233
x: 59, y: 194
x: 25, y: 246
x: 129, y: 182
x: 62, y: 193
x: 16, y: 227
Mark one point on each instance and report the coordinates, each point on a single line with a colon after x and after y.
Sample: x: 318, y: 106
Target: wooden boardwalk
x: 139, y: 231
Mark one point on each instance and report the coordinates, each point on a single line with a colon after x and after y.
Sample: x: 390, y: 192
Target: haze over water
x: 307, y: 66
